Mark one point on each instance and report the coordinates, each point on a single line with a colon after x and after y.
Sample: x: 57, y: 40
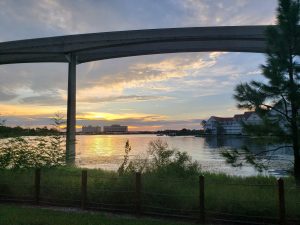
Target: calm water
x: 106, y: 151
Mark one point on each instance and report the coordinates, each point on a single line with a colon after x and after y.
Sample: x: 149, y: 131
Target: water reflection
x: 106, y: 151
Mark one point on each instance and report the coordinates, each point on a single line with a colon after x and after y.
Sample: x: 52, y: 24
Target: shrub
x: 38, y: 152
x: 162, y: 160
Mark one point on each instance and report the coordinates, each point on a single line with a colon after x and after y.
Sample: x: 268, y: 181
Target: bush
x: 39, y: 152
x: 18, y: 152
x: 162, y: 160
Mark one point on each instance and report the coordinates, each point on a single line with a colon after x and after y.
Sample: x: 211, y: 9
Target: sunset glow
x: 167, y: 91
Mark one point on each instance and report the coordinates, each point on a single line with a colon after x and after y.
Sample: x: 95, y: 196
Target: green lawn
x: 18, y: 215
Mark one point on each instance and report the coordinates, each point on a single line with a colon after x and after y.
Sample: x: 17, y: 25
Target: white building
x: 230, y: 125
x: 91, y: 130
x: 115, y: 128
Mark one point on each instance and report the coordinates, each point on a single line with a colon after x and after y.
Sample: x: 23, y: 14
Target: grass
x: 163, y: 193
x: 17, y: 215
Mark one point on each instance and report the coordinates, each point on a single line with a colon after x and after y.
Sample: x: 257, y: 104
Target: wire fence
x: 203, y: 200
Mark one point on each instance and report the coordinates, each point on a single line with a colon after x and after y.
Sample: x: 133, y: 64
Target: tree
x: 57, y: 141
x: 203, y: 123
x: 281, y: 91
x: 2, y: 121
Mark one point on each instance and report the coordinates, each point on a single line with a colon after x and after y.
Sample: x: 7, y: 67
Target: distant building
x: 115, y: 129
x: 91, y: 130
x: 230, y: 125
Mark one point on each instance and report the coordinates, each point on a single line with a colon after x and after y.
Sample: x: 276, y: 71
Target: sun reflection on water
x: 107, y: 151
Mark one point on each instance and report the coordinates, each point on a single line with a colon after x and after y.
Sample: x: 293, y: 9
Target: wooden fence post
x: 37, y: 185
x: 138, y: 189
x: 201, y: 199
x: 83, y: 189
x: 282, y: 218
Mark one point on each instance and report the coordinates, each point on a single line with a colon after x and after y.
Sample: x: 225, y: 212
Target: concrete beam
x: 136, y: 42
x: 71, y: 111
x: 172, y: 47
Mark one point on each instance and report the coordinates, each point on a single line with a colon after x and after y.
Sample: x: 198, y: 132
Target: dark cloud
x: 159, y: 124
x: 124, y: 98
x: 55, y: 99
x: 44, y: 100
x: 32, y: 121
x: 37, y: 18
x: 6, y: 96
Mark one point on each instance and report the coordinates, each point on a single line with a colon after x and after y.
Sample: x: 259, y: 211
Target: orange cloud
x: 29, y: 110
x: 112, y: 116
x: 144, y: 128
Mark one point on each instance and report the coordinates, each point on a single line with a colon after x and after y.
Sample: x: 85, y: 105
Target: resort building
x: 230, y: 125
x: 115, y: 128
x: 91, y: 130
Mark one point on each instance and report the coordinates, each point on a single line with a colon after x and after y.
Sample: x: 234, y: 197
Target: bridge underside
x: 76, y: 49
x: 98, y: 46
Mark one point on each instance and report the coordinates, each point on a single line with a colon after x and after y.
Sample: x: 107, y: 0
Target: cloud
x: 17, y: 110
x: 6, y: 95
x: 172, y: 64
x: 35, y: 18
x: 118, y: 116
x: 124, y: 98
x: 227, y: 12
x: 53, y: 14
x: 55, y: 98
x: 163, y: 68
x: 187, y: 79
x: 44, y: 100
x: 39, y: 77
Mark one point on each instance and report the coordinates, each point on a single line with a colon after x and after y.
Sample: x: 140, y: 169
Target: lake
x: 106, y: 151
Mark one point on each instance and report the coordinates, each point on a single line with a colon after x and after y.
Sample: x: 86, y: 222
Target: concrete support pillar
x: 71, y: 111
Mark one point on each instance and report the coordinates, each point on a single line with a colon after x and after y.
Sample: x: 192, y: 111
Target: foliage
x: 36, y: 152
x: 123, y: 166
x: 277, y: 133
x: 277, y: 100
x: 203, y: 123
x: 2, y: 122
x: 223, y: 193
x: 182, y: 132
x: 237, y: 158
x: 161, y: 159
x: 39, y: 152
x: 281, y: 91
x: 232, y: 157
x: 6, y: 131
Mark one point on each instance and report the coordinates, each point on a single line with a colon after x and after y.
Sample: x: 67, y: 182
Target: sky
x: 165, y: 91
